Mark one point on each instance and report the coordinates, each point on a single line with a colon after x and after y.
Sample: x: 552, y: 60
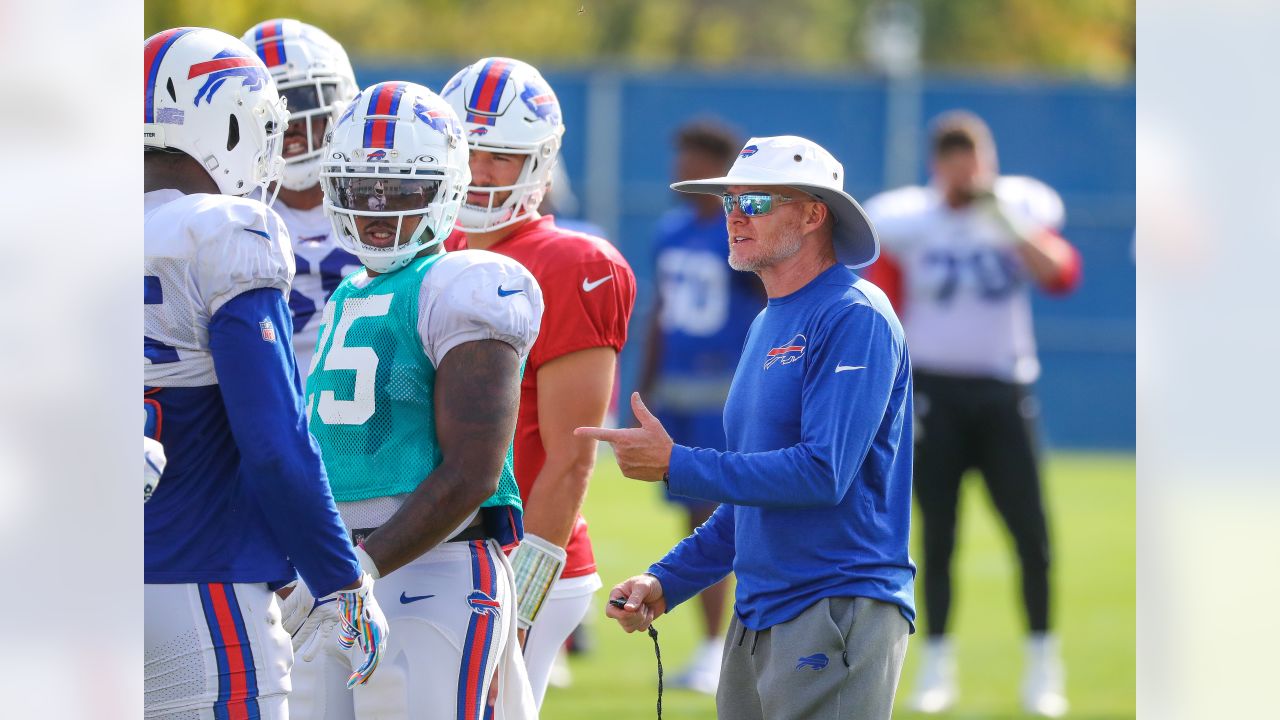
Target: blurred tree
x: 1066, y: 37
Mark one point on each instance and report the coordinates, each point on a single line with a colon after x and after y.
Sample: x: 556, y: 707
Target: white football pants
x: 452, y: 623
x: 565, y: 607
x: 214, y: 651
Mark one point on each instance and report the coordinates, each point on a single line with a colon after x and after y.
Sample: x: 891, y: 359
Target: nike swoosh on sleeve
x: 842, y: 368
x: 588, y: 286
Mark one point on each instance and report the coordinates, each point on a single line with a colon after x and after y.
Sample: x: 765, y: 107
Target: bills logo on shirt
x: 748, y: 151
x: 268, y: 330
x: 482, y: 603
x: 786, y: 354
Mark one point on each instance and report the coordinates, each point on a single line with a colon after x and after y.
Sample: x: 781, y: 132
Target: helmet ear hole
x: 233, y: 133
x: 169, y: 86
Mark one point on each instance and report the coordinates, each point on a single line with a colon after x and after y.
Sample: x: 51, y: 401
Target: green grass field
x: 1092, y: 510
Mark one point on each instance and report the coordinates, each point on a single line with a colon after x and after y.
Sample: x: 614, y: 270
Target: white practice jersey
x: 201, y: 251
x: 321, y: 265
x: 966, y: 293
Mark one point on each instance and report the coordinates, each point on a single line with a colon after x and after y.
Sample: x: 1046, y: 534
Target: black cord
x: 653, y: 633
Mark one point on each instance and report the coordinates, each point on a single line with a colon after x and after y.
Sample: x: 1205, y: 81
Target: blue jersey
x: 244, y: 498
x: 706, y: 308
x: 816, y: 484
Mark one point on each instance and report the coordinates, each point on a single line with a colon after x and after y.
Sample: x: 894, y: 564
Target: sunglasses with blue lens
x: 753, y: 204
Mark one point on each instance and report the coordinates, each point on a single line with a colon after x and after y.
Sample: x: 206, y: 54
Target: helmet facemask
x: 307, y: 100
x: 526, y: 192
x: 396, y: 192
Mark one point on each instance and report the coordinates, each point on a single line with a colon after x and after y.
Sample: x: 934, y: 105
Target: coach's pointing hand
x: 643, y: 453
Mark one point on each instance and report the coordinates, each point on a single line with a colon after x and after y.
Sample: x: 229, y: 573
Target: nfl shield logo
x: 268, y: 331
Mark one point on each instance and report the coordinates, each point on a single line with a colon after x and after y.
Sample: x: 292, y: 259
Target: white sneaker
x: 702, y: 674
x: 1042, y: 686
x: 935, y: 690
x: 560, y: 676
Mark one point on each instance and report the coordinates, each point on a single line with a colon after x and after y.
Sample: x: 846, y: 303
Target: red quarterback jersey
x: 589, y: 291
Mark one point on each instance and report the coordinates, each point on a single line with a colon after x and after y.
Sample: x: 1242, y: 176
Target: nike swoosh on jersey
x: 406, y: 599
x: 505, y: 293
x: 842, y: 368
x: 588, y: 286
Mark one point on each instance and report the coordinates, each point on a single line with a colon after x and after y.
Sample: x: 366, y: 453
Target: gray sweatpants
x: 838, y: 660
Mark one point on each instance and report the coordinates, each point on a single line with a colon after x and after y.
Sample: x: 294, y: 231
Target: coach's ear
x: 816, y: 216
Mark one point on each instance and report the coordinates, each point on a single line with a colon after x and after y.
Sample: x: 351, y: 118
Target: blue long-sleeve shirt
x: 244, y: 496
x: 816, y: 483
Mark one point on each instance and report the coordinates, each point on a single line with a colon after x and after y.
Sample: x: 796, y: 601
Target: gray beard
x: 787, y: 245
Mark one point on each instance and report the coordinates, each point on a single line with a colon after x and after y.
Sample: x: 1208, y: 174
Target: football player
x: 223, y: 395
x: 513, y: 124
x: 412, y: 396
x: 314, y: 77
x: 961, y: 257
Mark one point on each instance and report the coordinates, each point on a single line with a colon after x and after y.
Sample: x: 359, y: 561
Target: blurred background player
x: 412, y: 397
x: 314, y: 76
x: 223, y: 396
x: 512, y: 121
x: 960, y: 257
x: 702, y: 313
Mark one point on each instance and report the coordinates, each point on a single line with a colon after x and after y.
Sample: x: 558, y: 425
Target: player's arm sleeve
x: 1039, y: 205
x: 699, y: 561
x: 841, y: 413
x: 261, y: 390
x: 463, y: 300
x: 586, y: 318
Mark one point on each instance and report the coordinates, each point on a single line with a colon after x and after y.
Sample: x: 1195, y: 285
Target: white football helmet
x: 315, y: 78
x: 507, y: 107
x: 210, y: 97
x: 396, y: 151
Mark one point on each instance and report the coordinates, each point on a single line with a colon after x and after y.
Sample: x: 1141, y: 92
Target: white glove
x: 153, y: 461
x: 295, y: 608
x: 307, y: 621
x: 360, y: 620
x: 1017, y: 228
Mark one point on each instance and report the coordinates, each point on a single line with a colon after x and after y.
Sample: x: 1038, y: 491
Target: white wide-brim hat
x: 791, y: 161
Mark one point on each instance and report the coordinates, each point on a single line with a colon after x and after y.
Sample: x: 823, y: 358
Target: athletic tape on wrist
x: 537, y: 565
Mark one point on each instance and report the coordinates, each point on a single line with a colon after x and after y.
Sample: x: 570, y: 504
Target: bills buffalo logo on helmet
x: 482, y: 603
x: 541, y: 101
x: 224, y: 66
x: 748, y: 151
x: 786, y: 354
x: 439, y: 120
x: 350, y: 111
x: 376, y: 155
x: 479, y: 131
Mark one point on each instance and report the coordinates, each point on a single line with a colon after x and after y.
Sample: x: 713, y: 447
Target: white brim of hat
x: 854, y: 237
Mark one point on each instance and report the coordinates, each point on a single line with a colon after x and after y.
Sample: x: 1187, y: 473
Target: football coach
x: 815, y: 487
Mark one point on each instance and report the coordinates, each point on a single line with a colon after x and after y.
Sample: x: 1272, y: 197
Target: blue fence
x: 1078, y: 137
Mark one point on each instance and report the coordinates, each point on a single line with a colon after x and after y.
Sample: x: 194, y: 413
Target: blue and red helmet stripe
x: 384, y: 99
x: 486, y: 96
x: 153, y: 53
x: 269, y: 37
